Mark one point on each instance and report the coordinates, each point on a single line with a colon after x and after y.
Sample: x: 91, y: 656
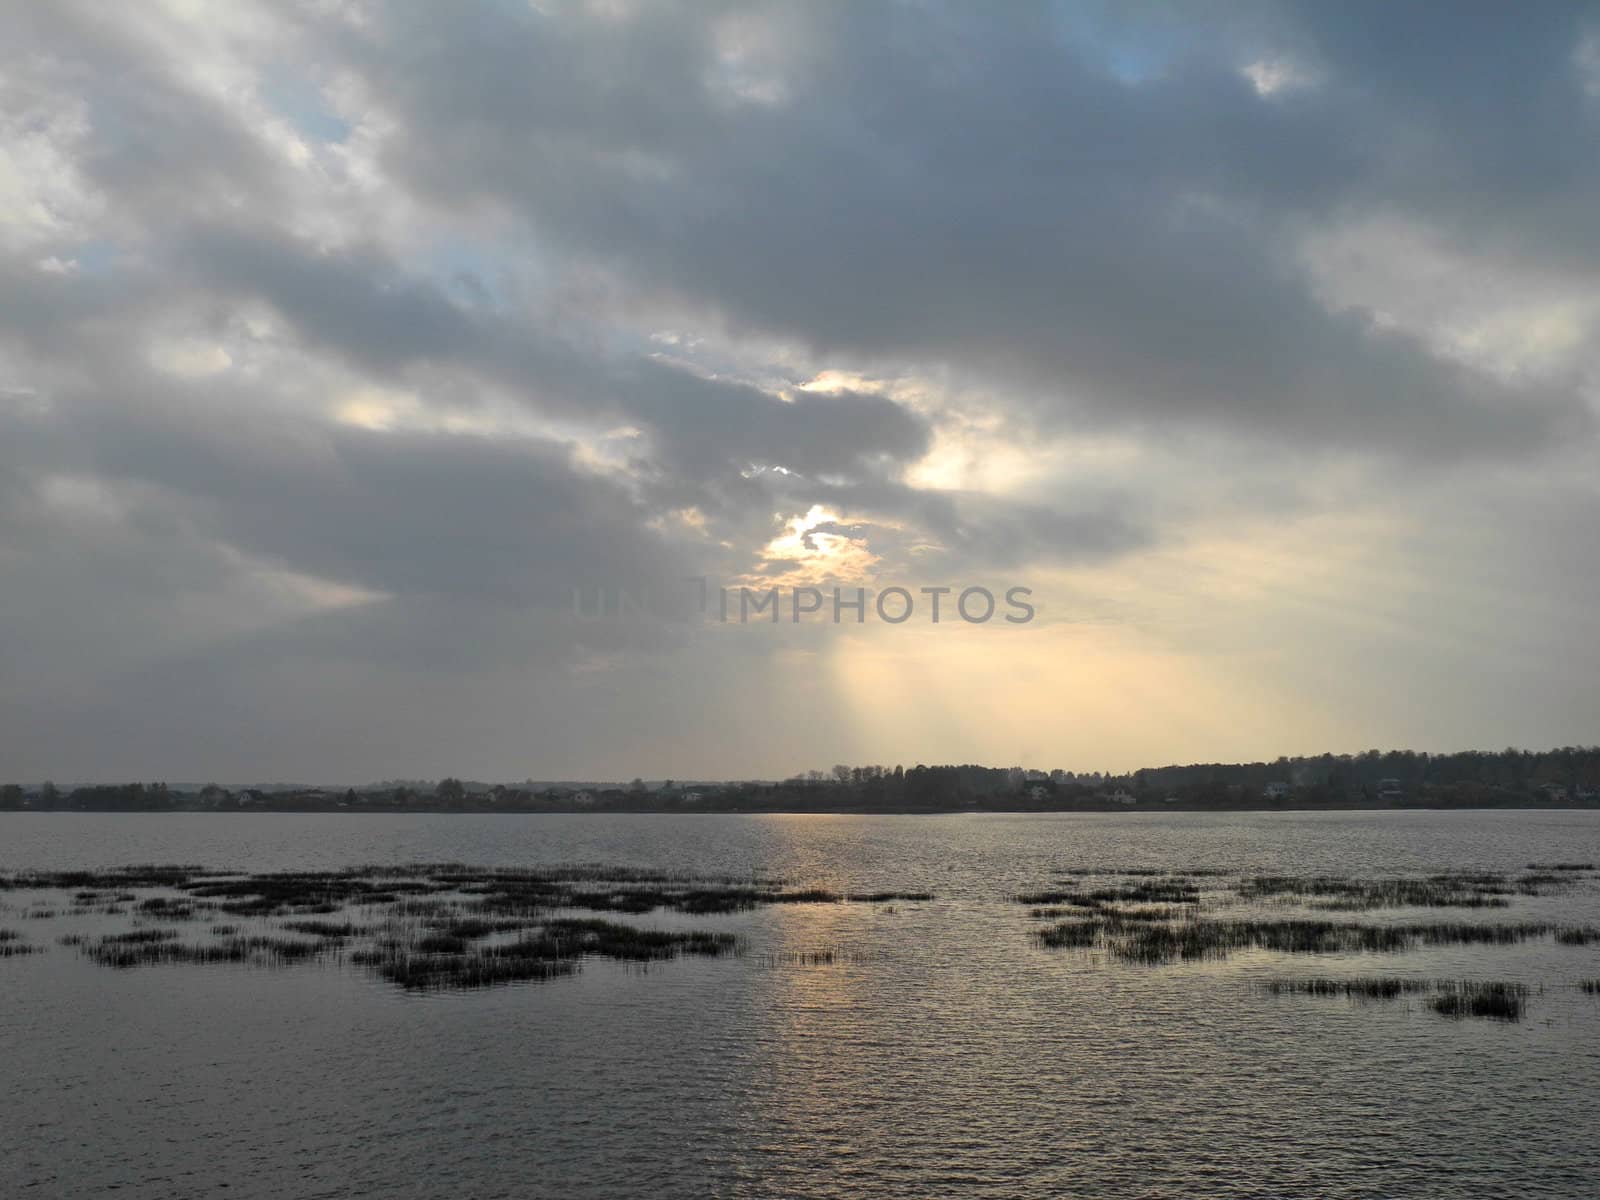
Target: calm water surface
x: 943, y: 1053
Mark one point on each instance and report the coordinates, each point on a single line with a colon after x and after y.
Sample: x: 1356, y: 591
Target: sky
x: 352, y: 353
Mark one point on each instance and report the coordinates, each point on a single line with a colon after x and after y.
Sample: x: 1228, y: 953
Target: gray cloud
x: 1061, y: 226
x: 992, y: 197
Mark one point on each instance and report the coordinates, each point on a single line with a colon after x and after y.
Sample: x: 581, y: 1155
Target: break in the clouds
x: 340, y: 341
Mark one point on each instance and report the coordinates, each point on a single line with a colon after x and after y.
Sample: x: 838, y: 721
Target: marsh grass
x: 1069, y: 896
x: 1578, y: 935
x: 1453, y: 998
x: 1155, y: 943
x: 117, y: 880
x: 1074, y: 935
x: 610, y: 939
x: 444, y: 925
x: 323, y: 929
x: 473, y: 928
x: 516, y: 962
x: 139, y: 937
x: 1173, y: 891
x: 164, y: 908
x: 1362, y: 988
x: 1562, y: 866
x: 1056, y: 911
x: 1334, y: 893
x: 13, y: 945
x: 418, y: 889
x: 128, y: 950
x: 434, y: 960
x: 1339, y: 892
x: 1152, y: 912
x: 801, y: 958
x: 1331, y: 892
x: 1495, y: 1001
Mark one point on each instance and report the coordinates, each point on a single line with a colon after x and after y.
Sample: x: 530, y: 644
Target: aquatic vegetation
x: 127, y: 950
x: 1361, y: 988
x: 801, y: 958
x: 472, y: 928
x: 1543, y: 883
x: 321, y: 929
x: 1452, y: 998
x: 1078, y: 935
x: 517, y: 962
x: 1054, y: 912
x: 286, y: 892
x: 440, y: 943
x: 433, y: 926
x: 1592, y: 986
x: 1584, y: 935
x: 612, y: 940
x: 13, y: 945
x: 139, y: 937
x: 1151, y: 912
x: 452, y: 925
x: 119, y: 879
x: 1164, y: 892
x: 163, y: 908
x: 1200, y: 939
x: 1049, y: 897
x: 416, y: 956
x: 422, y: 889
x: 1497, y: 1001
x: 1332, y: 892
x: 1343, y: 892
x: 554, y: 949
x: 1563, y: 866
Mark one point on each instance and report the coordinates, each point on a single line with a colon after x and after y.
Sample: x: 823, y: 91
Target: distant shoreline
x: 433, y: 810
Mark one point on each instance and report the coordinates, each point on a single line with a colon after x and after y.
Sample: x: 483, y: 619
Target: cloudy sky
x: 341, y: 341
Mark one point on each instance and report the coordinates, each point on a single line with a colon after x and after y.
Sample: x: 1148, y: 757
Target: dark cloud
x: 991, y: 195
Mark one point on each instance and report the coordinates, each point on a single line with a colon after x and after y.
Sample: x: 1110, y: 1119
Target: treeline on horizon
x: 1569, y: 776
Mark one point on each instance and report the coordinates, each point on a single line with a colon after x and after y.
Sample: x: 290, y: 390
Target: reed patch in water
x: 1343, y: 892
x: 1449, y: 997
x: 1495, y: 1001
x: 1195, y: 940
x: 552, y: 950
x: 330, y: 930
x: 1562, y: 866
x: 149, y: 947
x: 14, y: 945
